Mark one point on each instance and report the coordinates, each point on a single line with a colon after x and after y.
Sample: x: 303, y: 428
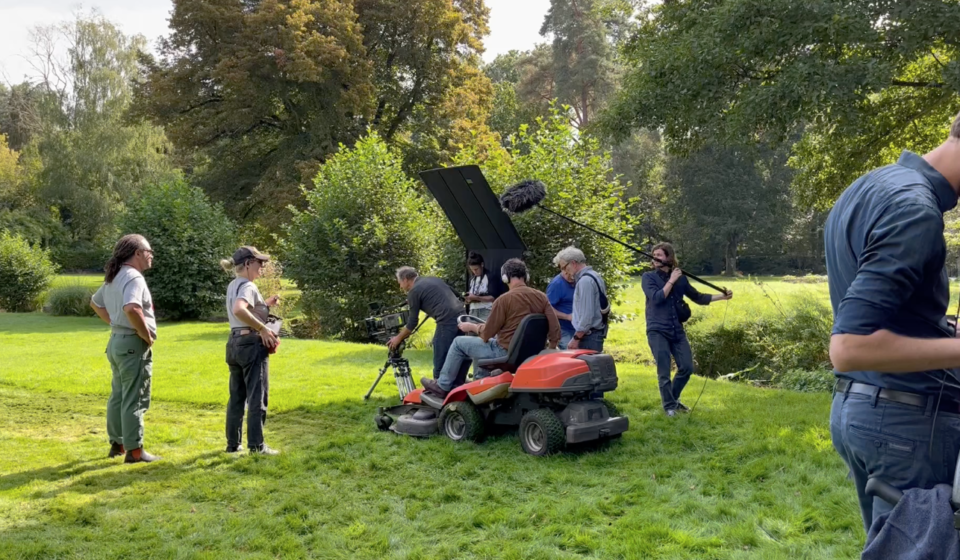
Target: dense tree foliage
x: 862, y: 80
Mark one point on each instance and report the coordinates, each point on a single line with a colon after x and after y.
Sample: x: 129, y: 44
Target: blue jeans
x: 593, y: 341
x: 462, y: 350
x: 891, y: 441
x: 565, y: 337
x: 664, y: 345
x: 442, y: 339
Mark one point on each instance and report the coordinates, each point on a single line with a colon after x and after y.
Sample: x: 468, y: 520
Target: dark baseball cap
x: 245, y: 253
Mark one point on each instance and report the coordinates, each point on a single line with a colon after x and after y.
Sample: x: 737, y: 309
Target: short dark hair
x: 668, y: 250
x: 475, y: 259
x: 514, y: 268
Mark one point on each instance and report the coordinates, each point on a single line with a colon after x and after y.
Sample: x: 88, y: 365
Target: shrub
x: 189, y: 236
x: 25, y: 272
x: 790, y: 350
x: 82, y: 256
x: 70, y: 300
x: 364, y: 219
x: 580, y: 184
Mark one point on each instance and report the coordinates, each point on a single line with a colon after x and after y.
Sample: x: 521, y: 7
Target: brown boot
x: 433, y: 387
x: 116, y: 450
x: 138, y: 455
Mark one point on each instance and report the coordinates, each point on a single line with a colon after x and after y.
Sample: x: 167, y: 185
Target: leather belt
x: 241, y: 331
x: 947, y: 404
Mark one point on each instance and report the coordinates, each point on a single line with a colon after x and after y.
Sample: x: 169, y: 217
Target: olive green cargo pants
x: 132, y: 363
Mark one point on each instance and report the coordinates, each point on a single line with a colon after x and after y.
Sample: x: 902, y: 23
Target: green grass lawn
x: 750, y: 474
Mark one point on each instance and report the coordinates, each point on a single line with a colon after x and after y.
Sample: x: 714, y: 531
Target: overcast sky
x: 514, y: 24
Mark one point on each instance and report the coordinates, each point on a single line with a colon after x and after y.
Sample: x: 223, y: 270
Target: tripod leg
x: 377, y: 380
x: 404, y: 380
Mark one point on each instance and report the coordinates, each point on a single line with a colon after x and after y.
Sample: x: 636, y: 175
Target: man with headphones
x: 495, y: 335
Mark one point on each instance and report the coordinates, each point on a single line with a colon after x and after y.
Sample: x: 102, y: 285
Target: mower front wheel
x: 383, y: 422
x: 541, y: 432
x: 461, y: 421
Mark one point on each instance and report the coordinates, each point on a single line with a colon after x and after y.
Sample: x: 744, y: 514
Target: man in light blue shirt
x: 590, y: 304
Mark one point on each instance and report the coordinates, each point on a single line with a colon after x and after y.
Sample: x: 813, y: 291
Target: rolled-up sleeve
x: 892, y: 263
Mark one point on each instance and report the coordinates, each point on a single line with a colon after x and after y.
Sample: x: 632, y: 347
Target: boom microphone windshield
x: 523, y: 196
x: 530, y: 193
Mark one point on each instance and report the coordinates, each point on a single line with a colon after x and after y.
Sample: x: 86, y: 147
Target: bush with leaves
x: 580, y: 184
x: 25, y: 272
x: 364, y: 219
x: 189, y: 236
x: 70, y: 301
x: 773, y: 350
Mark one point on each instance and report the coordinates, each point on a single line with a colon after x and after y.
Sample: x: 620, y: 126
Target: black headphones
x: 503, y: 274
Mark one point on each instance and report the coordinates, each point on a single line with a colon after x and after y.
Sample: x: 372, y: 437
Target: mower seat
x: 528, y: 341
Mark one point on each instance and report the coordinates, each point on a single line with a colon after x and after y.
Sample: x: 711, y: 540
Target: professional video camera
x: 385, y: 323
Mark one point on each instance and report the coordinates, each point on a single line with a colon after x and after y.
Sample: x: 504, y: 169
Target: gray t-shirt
x: 435, y: 298
x: 241, y: 288
x: 129, y: 286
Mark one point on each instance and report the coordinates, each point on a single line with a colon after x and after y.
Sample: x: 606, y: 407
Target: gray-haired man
x: 435, y: 298
x: 590, y: 304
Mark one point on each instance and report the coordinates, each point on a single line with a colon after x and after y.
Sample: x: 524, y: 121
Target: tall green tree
x: 860, y: 79
x: 93, y: 162
x: 720, y: 201
x: 581, y: 56
x: 265, y: 91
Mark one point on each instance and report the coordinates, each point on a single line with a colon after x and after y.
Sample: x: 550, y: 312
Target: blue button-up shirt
x: 885, y: 261
x: 662, y: 310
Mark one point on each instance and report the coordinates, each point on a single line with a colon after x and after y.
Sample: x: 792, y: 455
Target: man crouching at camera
x: 435, y: 298
x: 495, y: 335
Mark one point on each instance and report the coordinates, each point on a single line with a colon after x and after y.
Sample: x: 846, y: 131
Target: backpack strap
x: 604, y: 302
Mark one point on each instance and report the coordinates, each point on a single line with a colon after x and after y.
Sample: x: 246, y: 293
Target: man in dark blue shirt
x: 665, y: 286
x: 896, y: 410
x: 560, y: 293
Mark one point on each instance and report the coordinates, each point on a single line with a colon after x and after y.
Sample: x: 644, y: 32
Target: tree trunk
x: 731, y: 254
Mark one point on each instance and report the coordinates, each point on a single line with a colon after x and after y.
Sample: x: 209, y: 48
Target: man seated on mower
x: 495, y: 335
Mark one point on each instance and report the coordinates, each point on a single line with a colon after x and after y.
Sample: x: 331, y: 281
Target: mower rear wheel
x: 541, y: 432
x: 461, y: 421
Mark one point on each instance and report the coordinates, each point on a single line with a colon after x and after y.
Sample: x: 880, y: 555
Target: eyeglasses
x: 148, y: 251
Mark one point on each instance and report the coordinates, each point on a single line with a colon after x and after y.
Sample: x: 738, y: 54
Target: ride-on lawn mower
x: 549, y: 394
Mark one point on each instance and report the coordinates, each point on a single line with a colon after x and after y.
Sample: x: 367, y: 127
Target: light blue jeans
x: 466, y: 348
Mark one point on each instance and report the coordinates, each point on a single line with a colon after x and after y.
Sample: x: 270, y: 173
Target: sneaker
x: 233, y: 449
x: 116, y: 450
x: 671, y: 413
x: 264, y: 450
x: 682, y: 407
x: 140, y: 456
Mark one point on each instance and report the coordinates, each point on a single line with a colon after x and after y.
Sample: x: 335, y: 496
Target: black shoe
x: 671, y: 413
x: 264, y: 450
x: 433, y: 387
x: 116, y: 450
x: 682, y: 407
x: 140, y: 456
x: 233, y: 449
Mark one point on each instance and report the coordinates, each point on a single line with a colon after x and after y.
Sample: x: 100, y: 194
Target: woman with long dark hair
x: 124, y: 302
x: 665, y: 287
x: 248, y: 350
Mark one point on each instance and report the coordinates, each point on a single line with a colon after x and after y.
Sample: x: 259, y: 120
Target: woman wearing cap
x: 248, y: 350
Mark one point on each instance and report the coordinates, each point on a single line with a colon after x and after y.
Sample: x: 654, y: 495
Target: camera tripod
x: 401, y: 372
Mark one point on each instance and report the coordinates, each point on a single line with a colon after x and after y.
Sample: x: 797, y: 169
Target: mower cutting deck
x: 549, y: 398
